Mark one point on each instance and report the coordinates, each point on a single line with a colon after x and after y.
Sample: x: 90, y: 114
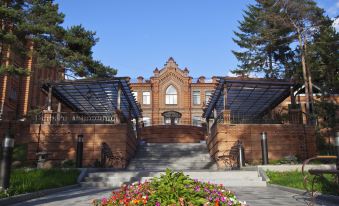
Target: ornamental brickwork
x: 191, y: 95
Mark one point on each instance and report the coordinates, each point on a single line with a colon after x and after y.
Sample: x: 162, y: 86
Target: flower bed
x: 172, y: 188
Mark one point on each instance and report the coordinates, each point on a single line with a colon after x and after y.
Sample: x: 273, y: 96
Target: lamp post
x: 264, y: 148
x: 337, y: 152
x: 80, y: 145
x: 241, y: 160
x: 5, y: 170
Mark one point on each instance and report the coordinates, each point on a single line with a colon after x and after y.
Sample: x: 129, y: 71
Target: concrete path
x: 255, y: 196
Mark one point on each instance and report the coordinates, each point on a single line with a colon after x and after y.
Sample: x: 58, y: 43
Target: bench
x: 317, y: 173
x: 113, y: 159
x: 230, y: 157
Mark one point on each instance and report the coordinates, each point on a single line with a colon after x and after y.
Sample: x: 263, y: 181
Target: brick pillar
x: 47, y: 116
x: 295, y: 114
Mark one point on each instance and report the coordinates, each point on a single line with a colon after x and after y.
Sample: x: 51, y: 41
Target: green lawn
x: 295, y: 179
x: 24, y: 181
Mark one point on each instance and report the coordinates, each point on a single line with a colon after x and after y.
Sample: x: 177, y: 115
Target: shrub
x: 172, y: 188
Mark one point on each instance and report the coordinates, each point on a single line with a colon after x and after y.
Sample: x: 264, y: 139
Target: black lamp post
x: 337, y: 152
x: 5, y: 170
x: 80, y: 145
x: 264, y: 148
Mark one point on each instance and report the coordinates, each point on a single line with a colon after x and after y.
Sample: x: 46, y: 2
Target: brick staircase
x: 192, y: 158
x: 176, y: 156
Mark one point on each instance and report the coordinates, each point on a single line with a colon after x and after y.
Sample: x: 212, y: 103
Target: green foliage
x: 323, y: 58
x: 20, y: 153
x: 24, y: 181
x: 275, y: 36
x: 295, y: 179
x: 40, y: 22
x: 264, y: 43
x: 68, y: 163
x: 13, y: 70
x: 172, y: 188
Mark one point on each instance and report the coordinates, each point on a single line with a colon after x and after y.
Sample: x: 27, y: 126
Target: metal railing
x: 75, y: 118
x: 246, y: 119
x: 180, y: 122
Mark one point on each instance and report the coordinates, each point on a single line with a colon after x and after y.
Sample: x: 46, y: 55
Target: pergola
x: 252, y: 98
x: 95, y: 95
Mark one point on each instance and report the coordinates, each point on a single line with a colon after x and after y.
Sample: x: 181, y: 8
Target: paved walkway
x: 263, y: 196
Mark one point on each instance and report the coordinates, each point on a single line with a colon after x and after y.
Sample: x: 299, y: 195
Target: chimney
x: 156, y: 72
x: 214, y: 79
x: 201, y: 79
x: 140, y: 79
x: 186, y: 71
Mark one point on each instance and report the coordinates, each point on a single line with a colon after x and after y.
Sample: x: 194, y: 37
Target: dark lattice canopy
x: 90, y: 96
x: 250, y: 97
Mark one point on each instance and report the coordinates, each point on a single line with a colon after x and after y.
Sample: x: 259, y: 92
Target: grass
x: 295, y: 179
x: 24, y: 181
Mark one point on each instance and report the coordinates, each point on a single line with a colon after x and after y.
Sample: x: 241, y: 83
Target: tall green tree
x: 264, y: 43
x: 323, y: 58
x: 304, y: 18
x: 40, y: 21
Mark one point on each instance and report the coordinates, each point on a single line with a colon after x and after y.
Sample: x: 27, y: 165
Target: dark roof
x: 246, y: 96
x: 99, y: 95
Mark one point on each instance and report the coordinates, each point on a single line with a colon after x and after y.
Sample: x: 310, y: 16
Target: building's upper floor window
x: 196, y: 97
x: 146, y: 97
x: 135, y: 94
x: 146, y: 121
x: 208, y: 94
x: 171, y: 95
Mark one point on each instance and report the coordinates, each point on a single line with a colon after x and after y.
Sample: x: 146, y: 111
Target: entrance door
x: 171, y: 117
x: 171, y: 121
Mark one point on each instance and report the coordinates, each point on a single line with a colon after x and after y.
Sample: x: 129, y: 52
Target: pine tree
x: 39, y: 21
x: 324, y: 58
x: 304, y: 18
x: 264, y: 44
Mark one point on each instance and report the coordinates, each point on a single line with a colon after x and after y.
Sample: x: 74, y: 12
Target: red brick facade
x: 20, y: 94
x: 171, y: 75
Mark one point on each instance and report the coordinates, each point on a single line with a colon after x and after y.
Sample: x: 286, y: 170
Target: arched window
x: 171, y: 95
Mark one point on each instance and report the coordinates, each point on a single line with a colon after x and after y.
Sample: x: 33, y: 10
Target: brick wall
x: 60, y: 140
x: 19, y: 130
x: 283, y: 140
x: 172, y: 134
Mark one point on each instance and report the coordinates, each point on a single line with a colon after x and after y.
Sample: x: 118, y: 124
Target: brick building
x: 20, y: 94
x: 171, y: 92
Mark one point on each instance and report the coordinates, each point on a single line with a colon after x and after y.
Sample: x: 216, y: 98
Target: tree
x: 264, y: 43
x: 39, y: 21
x: 323, y: 58
x: 304, y: 18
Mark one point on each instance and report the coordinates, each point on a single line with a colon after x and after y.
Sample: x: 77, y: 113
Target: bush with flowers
x: 171, y: 188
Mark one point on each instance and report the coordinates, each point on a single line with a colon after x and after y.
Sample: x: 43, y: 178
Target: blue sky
x: 136, y: 36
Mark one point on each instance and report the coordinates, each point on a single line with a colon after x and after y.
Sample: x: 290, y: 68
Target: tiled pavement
x: 262, y: 196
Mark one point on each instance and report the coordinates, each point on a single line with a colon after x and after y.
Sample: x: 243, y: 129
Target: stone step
x: 170, y: 160
x: 150, y: 168
x: 171, y: 164
x: 228, y: 179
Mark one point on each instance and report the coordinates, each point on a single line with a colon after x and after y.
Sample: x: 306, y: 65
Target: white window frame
x: 171, y: 98
x: 206, y: 99
x: 194, y: 96
x: 146, y: 97
x: 147, y: 121
x: 135, y: 94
